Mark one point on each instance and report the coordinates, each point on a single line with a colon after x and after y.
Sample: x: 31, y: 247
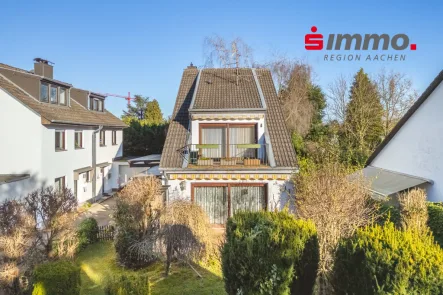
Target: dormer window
x: 96, y: 104
x: 62, y: 99
x: 44, y: 92
x: 54, y: 92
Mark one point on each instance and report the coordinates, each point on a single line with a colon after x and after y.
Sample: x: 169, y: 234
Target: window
x: 114, y: 137
x: 78, y: 139
x: 59, y: 183
x: 95, y: 104
x: 75, y: 188
x: 59, y: 140
x: 87, y: 176
x: 102, y: 138
x: 62, y: 97
x: 44, y: 92
x: 100, y: 105
x: 221, y: 201
x: 53, y: 94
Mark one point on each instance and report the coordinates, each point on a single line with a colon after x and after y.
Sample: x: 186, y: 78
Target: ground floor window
x: 59, y: 183
x: 221, y: 201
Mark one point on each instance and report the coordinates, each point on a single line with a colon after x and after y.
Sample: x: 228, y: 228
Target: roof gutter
x: 226, y: 110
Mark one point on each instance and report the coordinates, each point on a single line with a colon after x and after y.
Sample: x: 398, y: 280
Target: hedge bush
x: 128, y: 284
x: 87, y: 232
x: 435, y: 221
x: 269, y: 253
x: 60, y: 277
x: 384, y: 260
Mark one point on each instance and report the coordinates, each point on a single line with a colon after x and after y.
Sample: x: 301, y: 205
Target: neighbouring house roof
x: 386, y: 182
x: 53, y: 113
x: 8, y: 178
x: 406, y: 117
x: 224, y: 80
x: 225, y: 89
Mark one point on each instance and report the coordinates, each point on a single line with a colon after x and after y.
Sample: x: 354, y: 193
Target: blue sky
x: 143, y: 46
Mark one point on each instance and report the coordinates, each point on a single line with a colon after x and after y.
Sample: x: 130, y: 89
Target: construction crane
x: 128, y: 98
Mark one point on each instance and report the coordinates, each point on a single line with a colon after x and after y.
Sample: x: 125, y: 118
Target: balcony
x: 225, y: 155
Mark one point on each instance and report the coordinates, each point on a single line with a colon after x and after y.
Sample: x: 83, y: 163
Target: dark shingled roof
x: 217, y: 89
x: 406, y: 117
x: 222, y: 87
x: 75, y: 114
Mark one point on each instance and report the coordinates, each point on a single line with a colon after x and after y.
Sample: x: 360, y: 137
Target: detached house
x: 412, y: 153
x: 227, y: 147
x: 53, y: 134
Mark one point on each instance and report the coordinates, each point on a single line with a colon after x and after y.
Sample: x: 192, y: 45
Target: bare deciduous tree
x: 294, y: 96
x: 227, y: 54
x: 396, y: 95
x: 338, y: 205
x: 339, y: 98
x: 413, y: 210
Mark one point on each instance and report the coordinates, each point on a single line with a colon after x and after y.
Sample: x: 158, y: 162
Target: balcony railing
x: 248, y: 155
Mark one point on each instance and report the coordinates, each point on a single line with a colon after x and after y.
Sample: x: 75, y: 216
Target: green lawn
x: 98, y: 261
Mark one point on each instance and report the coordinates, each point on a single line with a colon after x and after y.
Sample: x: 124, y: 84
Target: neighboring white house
x: 48, y: 129
x: 412, y: 154
x: 227, y: 146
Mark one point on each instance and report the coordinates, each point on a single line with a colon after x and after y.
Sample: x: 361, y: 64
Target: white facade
x: 28, y: 147
x: 417, y: 148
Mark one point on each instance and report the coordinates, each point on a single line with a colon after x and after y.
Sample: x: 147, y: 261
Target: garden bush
x: 60, y: 277
x: 435, y: 221
x: 385, y: 260
x: 269, y: 253
x: 128, y: 284
x: 87, y: 232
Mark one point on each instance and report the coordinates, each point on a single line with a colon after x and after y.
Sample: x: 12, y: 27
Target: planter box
x: 251, y: 162
x: 228, y: 162
x: 208, y: 162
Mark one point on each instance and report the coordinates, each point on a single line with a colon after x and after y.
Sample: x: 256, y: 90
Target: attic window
x: 96, y: 104
x: 62, y: 99
x: 100, y: 106
x: 54, y: 92
x: 44, y: 92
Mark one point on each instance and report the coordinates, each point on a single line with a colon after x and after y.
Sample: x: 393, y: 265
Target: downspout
x: 94, y: 162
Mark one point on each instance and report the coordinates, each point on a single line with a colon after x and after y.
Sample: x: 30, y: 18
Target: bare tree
x: 227, y: 54
x: 338, y: 94
x: 294, y: 96
x: 396, y: 95
x: 338, y: 205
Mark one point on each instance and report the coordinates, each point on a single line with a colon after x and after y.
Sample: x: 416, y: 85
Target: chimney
x: 43, y: 68
x: 191, y: 66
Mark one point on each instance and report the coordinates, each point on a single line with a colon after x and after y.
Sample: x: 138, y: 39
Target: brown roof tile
x: 75, y: 114
x: 214, y: 95
x: 227, y: 89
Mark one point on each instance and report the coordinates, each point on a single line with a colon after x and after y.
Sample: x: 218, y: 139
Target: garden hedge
x: 128, y: 284
x: 435, y: 221
x: 60, y: 277
x: 385, y: 260
x: 87, y: 232
x: 269, y: 253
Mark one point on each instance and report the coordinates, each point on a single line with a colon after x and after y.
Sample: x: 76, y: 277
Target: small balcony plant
x: 202, y: 161
x: 228, y: 161
x: 251, y: 162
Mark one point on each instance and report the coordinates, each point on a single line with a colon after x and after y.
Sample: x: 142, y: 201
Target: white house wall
x: 417, y: 148
x: 28, y: 147
x: 20, y: 146
x: 277, y: 190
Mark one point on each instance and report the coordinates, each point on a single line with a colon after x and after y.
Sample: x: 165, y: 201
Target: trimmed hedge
x: 384, y: 260
x: 129, y: 284
x: 87, y: 232
x: 435, y: 221
x: 60, y: 277
x: 269, y: 253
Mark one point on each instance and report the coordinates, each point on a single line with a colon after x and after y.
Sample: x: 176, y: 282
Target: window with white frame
x: 114, y: 137
x: 54, y: 91
x: 60, y: 140
x: 62, y: 96
x: 78, y: 139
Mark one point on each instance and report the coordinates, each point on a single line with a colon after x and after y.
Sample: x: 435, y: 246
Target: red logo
x: 314, y: 41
